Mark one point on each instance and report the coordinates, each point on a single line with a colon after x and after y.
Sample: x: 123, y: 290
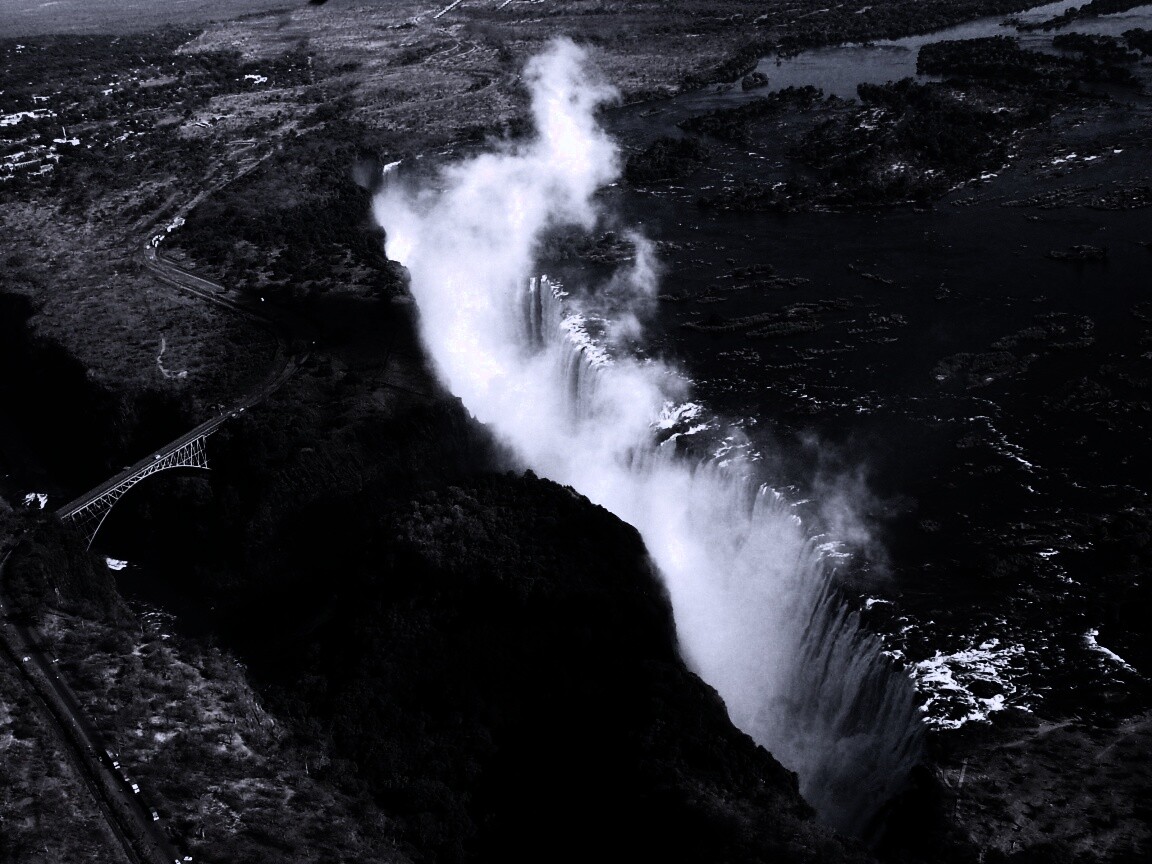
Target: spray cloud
x: 751, y: 598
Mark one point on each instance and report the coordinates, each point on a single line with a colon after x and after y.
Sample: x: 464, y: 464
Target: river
x: 838, y: 70
x: 976, y: 492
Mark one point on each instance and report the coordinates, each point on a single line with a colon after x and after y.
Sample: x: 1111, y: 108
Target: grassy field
x: 113, y: 317
x: 31, y: 17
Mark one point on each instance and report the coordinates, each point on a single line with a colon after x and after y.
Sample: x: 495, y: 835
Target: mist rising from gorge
x: 546, y: 368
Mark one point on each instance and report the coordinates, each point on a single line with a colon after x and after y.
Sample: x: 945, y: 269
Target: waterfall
x: 756, y: 609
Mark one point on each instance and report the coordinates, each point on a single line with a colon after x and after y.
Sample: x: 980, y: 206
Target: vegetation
x: 51, y: 569
x: 300, y: 225
x: 1140, y: 40
x: 1102, y: 51
x: 907, y: 142
x: 223, y: 777
x: 793, y: 319
x: 735, y: 124
x: 463, y: 657
x: 106, y: 137
x: 454, y: 673
x: 665, y: 159
x: 1092, y: 9
x: 999, y: 61
x: 86, y: 431
x: 49, y: 814
x: 912, y: 142
x: 124, y: 95
x: 455, y: 664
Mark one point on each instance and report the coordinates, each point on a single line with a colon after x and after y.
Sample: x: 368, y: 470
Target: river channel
x: 969, y: 494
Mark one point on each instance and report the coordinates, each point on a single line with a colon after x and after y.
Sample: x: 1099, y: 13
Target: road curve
x: 285, y: 365
x: 167, y: 271
x: 133, y: 824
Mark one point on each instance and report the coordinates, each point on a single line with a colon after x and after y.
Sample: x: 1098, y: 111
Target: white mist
x: 749, y: 591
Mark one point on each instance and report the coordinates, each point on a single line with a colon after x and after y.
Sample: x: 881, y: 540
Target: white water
x: 754, y: 610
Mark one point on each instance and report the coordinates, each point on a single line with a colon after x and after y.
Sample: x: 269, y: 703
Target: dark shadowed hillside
x: 496, y: 661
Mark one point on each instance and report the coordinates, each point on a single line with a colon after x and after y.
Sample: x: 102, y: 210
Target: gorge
x: 558, y: 377
x: 642, y: 461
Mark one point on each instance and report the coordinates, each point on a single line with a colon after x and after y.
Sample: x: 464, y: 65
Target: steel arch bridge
x: 89, y: 511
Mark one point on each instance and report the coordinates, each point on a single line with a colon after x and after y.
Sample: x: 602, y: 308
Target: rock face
x: 489, y: 658
x: 498, y: 664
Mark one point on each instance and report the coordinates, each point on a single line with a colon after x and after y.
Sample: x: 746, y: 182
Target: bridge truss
x: 88, y: 513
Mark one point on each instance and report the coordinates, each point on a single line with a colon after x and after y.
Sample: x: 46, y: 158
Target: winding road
x: 133, y: 823
x: 285, y: 365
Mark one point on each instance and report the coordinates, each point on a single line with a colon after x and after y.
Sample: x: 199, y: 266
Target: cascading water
x: 756, y: 612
